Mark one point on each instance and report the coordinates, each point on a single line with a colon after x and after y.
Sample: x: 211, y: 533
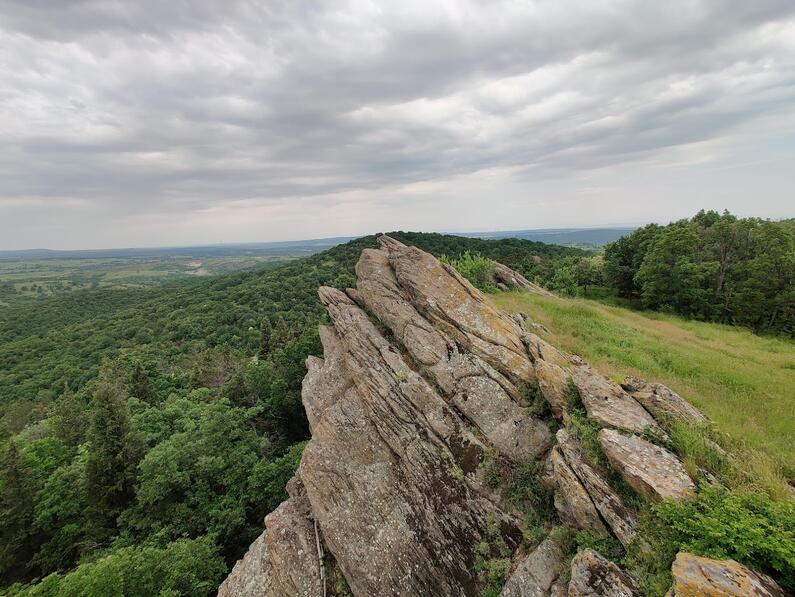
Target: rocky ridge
x: 422, y: 389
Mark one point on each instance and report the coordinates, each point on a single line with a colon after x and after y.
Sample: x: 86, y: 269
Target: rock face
x: 650, y: 470
x: 538, y: 572
x: 618, y: 517
x: 283, y: 560
x: 572, y: 501
x: 608, y: 404
x: 505, y: 278
x: 662, y: 402
x: 380, y: 470
x: 422, y: 386
x: 592, y: 575
x: 703, y: 577
x: 479, y: 391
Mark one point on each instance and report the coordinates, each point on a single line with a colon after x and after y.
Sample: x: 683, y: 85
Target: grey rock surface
x: 649, y: 469
x: 594, y: 576
x: 620, y: 519
x: 537, y: 573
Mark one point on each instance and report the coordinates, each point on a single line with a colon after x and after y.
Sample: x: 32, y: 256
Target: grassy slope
x: 745, y: 383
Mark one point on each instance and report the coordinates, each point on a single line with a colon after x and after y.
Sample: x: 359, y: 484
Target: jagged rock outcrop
x: 608, y: 404
x: 423, y: 384
x: 283, y: 560
x: 484, y: 395
x: 592, y: 576
x: 538, y: 572
x: 505, y: 278
x: 651, y: 470
x: 572, y: 501
x: 620, y: 519
x: 662, y: 402
x: 703, y: 577
x: 380, y: 470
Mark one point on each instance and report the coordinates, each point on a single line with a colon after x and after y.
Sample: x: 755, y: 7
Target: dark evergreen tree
x: 68, y: 417
x: 17, y: 541
x: 114, y: 452
x: 141, y: 387
x: 280, y: 335
x: 265, y: 331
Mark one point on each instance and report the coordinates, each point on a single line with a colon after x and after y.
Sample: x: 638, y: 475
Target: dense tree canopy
x: 714, y: 267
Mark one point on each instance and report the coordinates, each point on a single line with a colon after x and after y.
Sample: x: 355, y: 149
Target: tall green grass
x: 744, y: 382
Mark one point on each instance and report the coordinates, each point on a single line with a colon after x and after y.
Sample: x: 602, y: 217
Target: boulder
x: 619, y: 518
x: 649, y: 469
x: 695, y: 576
x: 592, y: 576
x: 608, y: 404
x: 537, y: 573
x: 663, y: 403
x: 502, y: 275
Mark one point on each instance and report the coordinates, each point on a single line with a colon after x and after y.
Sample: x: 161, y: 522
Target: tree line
x: 712, y: 267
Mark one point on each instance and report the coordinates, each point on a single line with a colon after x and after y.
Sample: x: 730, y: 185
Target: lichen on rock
x: 421, y: 385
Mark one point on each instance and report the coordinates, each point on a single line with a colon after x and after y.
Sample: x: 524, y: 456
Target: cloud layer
x: 150, y: 122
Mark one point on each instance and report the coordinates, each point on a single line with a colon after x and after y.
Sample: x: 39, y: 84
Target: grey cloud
x: 175, y: 106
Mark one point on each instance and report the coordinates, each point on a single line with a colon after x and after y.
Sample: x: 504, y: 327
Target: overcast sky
x: 152, y: 122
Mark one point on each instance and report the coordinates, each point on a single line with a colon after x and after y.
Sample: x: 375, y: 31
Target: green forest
x: 147, y: 432
x: 712, y: 267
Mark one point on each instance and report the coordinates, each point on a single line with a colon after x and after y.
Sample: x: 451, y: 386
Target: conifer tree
x: 280, y: 335
x: 16, y: 515
x: 265, y: 332
x: 114, y: 452
x: 69, y: 418
x: 141, y: 387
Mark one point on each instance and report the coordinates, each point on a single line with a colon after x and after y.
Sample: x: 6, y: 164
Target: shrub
x: 474, y: 268
x: 609, y: 547
x: 492, y: 560
x: 742, y: 525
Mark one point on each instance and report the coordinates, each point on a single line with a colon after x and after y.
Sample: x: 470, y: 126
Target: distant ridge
x: 272, y: 248
x: 591, y: 237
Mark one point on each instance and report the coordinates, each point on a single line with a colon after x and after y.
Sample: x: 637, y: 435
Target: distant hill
x: 578, y: 237
x: 292, y: 247
x: 581, y: 237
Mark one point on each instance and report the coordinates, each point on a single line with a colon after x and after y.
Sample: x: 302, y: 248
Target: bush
x: 745, y: 526
x: 741, y: 525
x: 474, y: 268
x: 609, y: 547
x: 492, y: 561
